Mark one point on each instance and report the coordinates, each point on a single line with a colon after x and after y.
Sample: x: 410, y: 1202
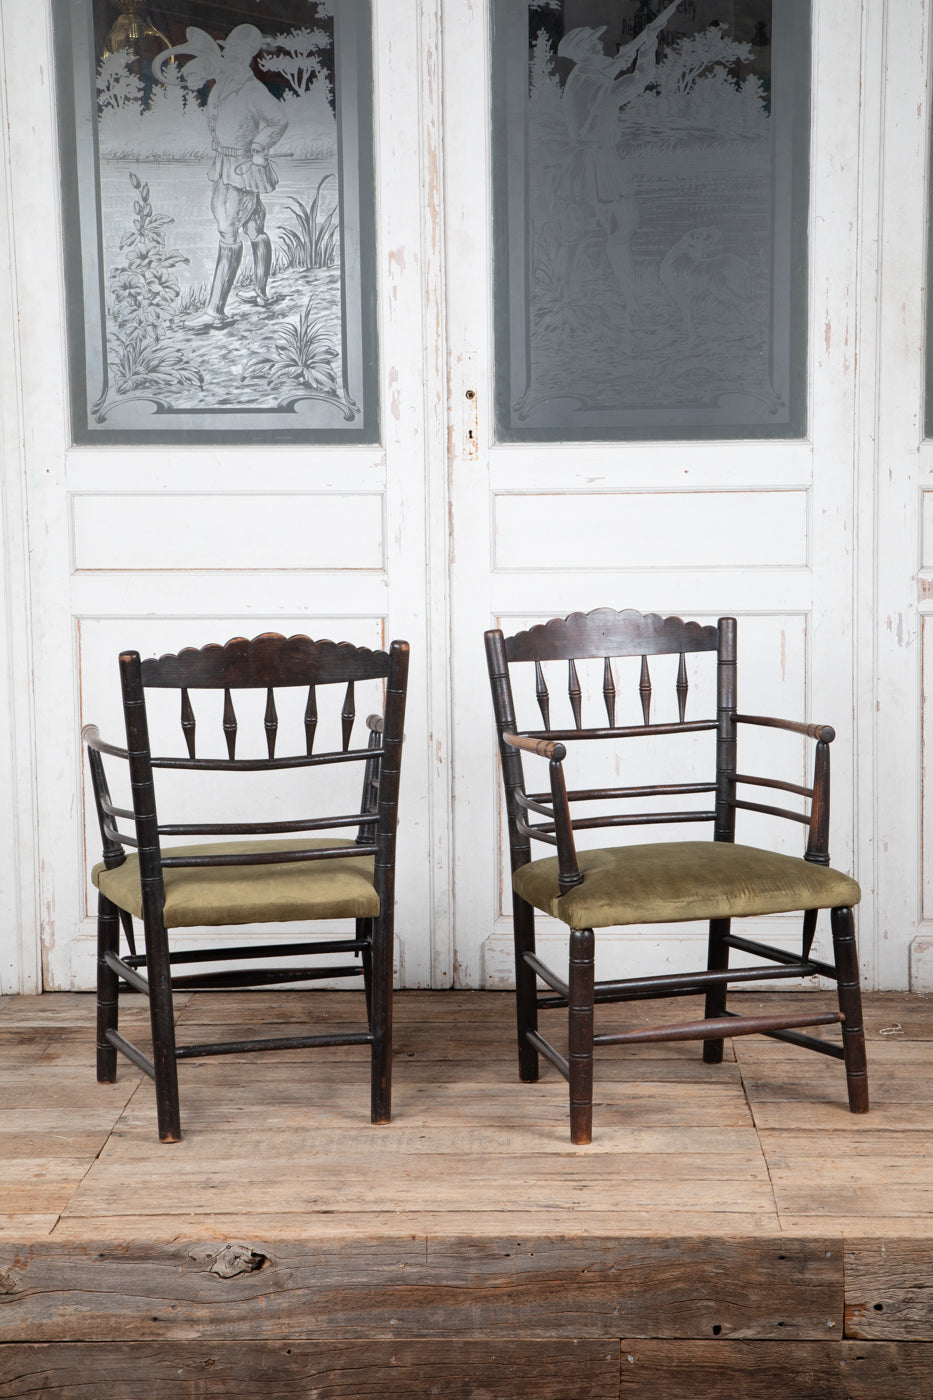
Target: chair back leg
x: 717, y: 961
x: 108, y: 941
x: 381, y: 1019
x: 526, y: 989
x: 850, y: 1005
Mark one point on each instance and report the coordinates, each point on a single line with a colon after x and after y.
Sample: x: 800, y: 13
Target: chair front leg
x: 526, y: 989
x: 850, y: 1005
x: 108, y: 988
x: 582, y: 992
x: 381, y: 1019
x: 162, y: 1021
x: 717, y: 961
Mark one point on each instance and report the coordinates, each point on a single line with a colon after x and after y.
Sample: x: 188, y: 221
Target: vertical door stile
x: 413, y: 388
x: 20, y: 959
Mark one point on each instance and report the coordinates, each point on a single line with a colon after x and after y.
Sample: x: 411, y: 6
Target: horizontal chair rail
x: 547, y: 1049
x: 629, y: 731
x: 740, y: 804
x: 269, y: 857
x: 259, y: 950
x: 288, y: 1042
x: 808, y: 1042
x: 128, y: 973
x: 641, y: 819
x: 262, y: 977
x: 774, y: 783
x: 605, y: 794
x: 679, y: 984
x: 266, y: 828
x: 127, y: 1048
x: 718, y: 1027
x: 247, y: 765
x: 764, y: 950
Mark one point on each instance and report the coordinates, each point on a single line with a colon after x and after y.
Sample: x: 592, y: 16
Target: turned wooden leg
x: 108, y: 941
x: 717, y: 961
x: 582, y: 976
x: 850, y: 1004
x: 381, y: 1020
x: 526, y: 989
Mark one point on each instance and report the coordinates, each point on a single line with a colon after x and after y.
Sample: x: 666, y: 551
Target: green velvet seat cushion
x: 338, y: 888
x: 671, y: 881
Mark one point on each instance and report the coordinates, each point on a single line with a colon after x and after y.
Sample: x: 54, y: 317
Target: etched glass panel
x: 650, y: 212
x: 218, y: 219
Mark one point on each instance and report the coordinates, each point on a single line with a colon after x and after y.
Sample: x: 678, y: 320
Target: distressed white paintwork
x: 847, y: 580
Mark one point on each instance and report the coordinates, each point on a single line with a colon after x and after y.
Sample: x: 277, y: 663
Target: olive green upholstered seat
x: 249, y: 894
x: 672, y: 881
x: 642, y: 883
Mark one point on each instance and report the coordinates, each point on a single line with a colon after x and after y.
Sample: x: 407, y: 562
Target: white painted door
x: 757, y: 526
x: 154, y: 547
x: 815, y: 542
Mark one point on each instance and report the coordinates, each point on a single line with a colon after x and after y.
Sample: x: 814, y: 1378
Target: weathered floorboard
x: 744, y: 1233
x: 423, y: 1288
x: 828, y: 1370
x: 448, y: 1370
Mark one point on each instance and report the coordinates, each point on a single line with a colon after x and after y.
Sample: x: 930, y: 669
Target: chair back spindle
x: 609, y: 693
x: 229, y: 724
x: 348, y: 715
x: 310, y: 720
x: 682, y: 687
x: 271, y: 722
x: 575, y: 694
x: 541, y: 691
x: 644, y: 690
x: 188, y: 722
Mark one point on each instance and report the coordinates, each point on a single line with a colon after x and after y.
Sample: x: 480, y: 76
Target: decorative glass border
x: 187, y: 321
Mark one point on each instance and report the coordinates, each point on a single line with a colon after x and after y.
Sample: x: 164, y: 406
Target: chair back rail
x: 608, y: 635
x: 266, y: 662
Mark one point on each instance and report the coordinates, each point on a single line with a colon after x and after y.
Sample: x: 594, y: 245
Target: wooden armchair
x: 664, y: 881
x: 271, y: 869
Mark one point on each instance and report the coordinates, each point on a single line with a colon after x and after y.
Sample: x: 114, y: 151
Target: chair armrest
x: 544, y: 748
x: 90, y: 735
x: 823, y: 733
x: 374, y: 723
x: 568, y: 870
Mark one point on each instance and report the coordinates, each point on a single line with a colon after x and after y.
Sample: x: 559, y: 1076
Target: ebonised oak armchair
x: 714, y: 880
x: 271, y: 868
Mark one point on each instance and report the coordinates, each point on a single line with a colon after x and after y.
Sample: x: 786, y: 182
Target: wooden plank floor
x: 729, y: 1225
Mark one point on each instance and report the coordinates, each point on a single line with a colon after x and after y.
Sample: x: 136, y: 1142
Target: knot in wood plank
x: 236, y: 1259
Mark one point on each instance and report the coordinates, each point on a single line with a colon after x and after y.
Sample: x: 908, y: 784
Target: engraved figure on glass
x: 596, y: 175
x: 245, y: 122
x: 190, y: 144
x: 650, y: 204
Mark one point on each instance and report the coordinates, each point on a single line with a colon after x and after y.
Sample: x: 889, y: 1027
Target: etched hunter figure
x: 245, y: 121
x: 595, y: 177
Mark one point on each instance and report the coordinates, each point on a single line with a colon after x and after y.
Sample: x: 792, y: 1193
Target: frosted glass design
x: 651, y: 173
x: 218, y: 196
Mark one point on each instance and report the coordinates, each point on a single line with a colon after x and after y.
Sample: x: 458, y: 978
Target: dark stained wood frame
x: 268, y: 662
x: 604, y: 634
